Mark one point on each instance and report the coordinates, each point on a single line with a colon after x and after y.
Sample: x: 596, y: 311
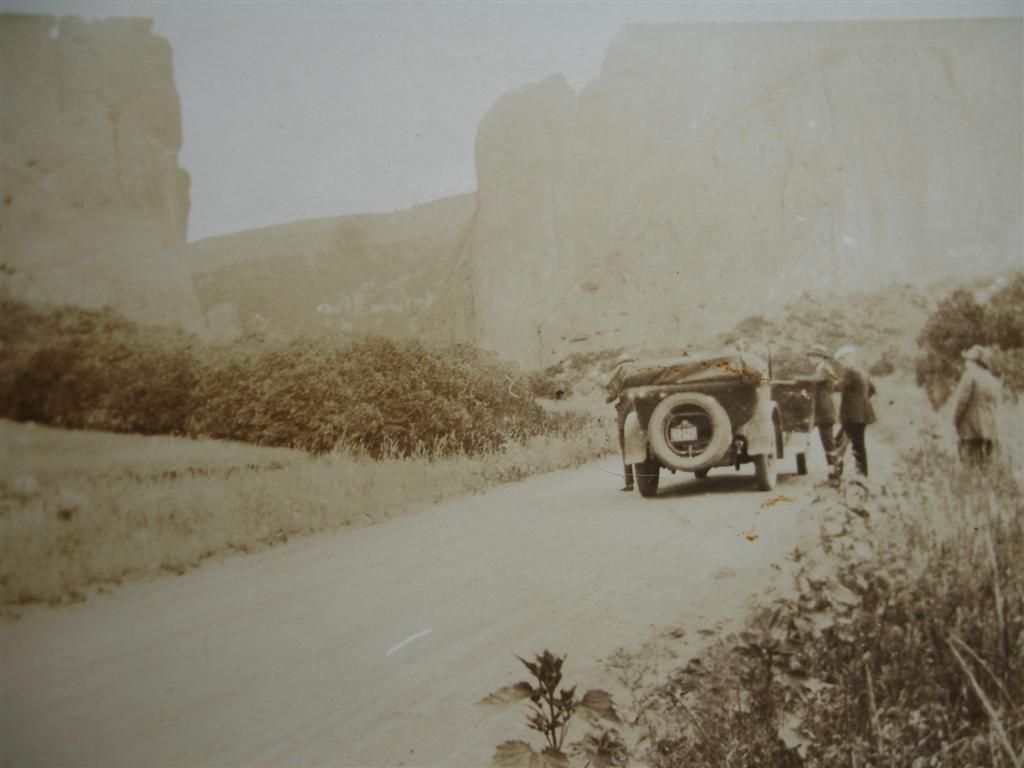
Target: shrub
x: 961, y: 321
x: 549, y: 385
x: 383, y: 396
x: 576, y: 374
x: 92, y: 368
x: 551, y: 710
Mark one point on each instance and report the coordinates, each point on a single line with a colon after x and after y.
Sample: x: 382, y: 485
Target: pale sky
x: 300, y: 110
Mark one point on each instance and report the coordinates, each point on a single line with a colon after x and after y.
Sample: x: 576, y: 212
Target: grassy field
x: 85, y: 509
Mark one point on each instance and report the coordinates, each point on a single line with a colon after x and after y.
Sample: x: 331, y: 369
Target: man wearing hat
x: 977, y: 399
x: 622, y: 408
x: 855, y: 410
x: 824, y: 407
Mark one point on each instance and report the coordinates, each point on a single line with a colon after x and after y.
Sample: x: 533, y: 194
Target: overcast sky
x: 305, y: 109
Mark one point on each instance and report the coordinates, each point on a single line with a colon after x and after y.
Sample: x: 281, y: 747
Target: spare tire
x: 689, y: 431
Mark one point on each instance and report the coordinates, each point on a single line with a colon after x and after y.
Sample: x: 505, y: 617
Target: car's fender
x: 635, y: 448
x: 759, y: 432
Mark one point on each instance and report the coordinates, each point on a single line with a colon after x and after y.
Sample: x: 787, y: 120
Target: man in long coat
x: 824, y: 407
x: 977, y: 399
x: 855, y: 409
x: 622, y: 409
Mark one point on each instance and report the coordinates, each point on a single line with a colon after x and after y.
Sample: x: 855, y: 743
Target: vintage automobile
x: 693, y: 414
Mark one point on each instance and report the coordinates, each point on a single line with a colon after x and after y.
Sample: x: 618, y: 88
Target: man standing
x: 824, y: 407
x: 977, y: 397
x: 622, y: 409
x: 855, y: 410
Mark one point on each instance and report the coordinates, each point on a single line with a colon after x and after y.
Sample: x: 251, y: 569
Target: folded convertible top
x: 686, y: 370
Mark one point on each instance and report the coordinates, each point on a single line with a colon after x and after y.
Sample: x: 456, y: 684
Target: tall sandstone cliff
x: 95, y: 206
x: 713, y: 172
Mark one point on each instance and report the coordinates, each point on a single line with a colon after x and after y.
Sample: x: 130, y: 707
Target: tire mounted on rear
x: 689, y: 412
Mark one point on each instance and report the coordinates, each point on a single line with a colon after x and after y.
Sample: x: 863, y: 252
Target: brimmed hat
x: 979, y: 354
x: 844, y: 352
x: 818, y: 350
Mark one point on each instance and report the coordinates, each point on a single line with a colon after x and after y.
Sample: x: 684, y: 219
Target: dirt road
x: 372, y: 646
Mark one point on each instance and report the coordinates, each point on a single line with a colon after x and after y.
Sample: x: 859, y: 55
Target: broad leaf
x: 534, y: 668
x: 605, y: 750
x: 552, y: 758
x: 790, y: 734
x: 598, y: 704
x: 515, y: 754
x: 519, y: 754
x: 510, y: 694
x: 842, y: 596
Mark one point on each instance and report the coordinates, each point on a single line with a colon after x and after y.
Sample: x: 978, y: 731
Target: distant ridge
x: 430, y: 220
x: 388, y: 273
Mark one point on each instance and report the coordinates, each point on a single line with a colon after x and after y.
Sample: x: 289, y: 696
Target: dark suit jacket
x: 856, y: 389
x: 824, y: 408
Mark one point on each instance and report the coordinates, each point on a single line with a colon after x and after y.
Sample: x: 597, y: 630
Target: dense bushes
x: 387, y: 397
x: 993, y: 318
x: 576, y: 373
x: 94, y: 369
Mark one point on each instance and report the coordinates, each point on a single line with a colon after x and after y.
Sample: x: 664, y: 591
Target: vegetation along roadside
x: 902, y: 640
x: 237, y: 447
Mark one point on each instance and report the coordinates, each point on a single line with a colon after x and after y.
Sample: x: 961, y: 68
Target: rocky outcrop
x: 398, y: 274
x: 715, y: 172
x: 95, y: 205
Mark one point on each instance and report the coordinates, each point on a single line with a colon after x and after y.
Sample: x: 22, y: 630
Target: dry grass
x: 79, y: 509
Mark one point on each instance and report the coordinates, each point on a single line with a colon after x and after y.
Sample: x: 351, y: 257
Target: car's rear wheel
x: 647, y: 476
x: 689, y: 431
x: 765, y: 471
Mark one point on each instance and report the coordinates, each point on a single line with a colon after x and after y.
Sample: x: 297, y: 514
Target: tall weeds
x: 904, y: 642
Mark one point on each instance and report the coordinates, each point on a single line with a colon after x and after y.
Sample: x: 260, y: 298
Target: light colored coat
x: 977, y: 398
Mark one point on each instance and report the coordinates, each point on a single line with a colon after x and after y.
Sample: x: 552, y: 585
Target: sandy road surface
x: 372, y: 646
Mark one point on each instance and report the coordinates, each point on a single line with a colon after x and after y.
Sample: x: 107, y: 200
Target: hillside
x: 393, y: 274
x: 884, y: 324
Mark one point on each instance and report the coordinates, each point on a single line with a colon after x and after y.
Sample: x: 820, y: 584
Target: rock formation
x: 713, y: 172
x: 95, y: 206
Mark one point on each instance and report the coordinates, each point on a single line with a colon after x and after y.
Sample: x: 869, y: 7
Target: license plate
x: 684, y: 434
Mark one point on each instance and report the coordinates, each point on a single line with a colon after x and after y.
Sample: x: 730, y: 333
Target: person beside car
x: 824, y: 406
x: 974, y: 415
x: 855, y: 410
x: 622, y: 409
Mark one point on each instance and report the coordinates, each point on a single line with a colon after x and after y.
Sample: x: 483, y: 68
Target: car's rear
x: 693, y: 414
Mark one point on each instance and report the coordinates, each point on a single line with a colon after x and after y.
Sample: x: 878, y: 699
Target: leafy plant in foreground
x: 551, y: 710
